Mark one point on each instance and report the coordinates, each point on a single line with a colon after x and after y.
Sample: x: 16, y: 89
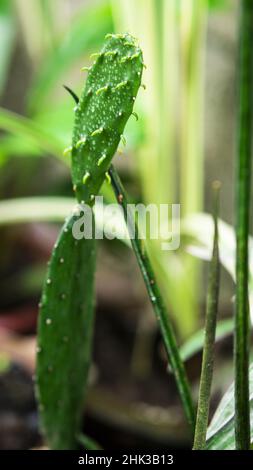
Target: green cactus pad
x: 103, y: 110
x: 64, y: 337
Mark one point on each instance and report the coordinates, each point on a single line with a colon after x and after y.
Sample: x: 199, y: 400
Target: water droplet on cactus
x: 65, y: 339
x: 61, y: 260
x: 49, y: 281
x: 38, y: 349
x: 63, y: 296
x: 48, y: 321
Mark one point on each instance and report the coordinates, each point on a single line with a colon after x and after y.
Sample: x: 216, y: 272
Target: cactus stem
x: 86, y: 177
x: 157, y: 302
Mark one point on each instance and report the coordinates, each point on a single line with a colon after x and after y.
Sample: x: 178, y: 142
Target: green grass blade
x: 73, y: 43
x: 157, y: 303
x: 88, y: 443
x: 243, y: 178
x: 19, y: 125
x: 209, y: 341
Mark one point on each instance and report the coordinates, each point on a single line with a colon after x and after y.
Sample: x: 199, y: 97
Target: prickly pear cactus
x: 64, y: 337
x: 66, y: 311
x: 103, y: 110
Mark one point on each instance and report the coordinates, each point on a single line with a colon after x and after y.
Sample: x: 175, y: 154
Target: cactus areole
x: 67, y: 304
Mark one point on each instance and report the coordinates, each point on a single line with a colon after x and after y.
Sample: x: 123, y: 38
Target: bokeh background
x: 182, y: 141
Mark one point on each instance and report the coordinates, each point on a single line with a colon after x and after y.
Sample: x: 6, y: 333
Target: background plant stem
x: 157, y: 302
x: 243, y: 170
x: 209, y: 341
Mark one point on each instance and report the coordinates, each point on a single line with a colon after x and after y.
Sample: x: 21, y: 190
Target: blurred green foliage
x: 53, y: 41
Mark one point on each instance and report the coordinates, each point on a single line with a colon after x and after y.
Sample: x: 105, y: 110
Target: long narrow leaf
x: 221, y: 432
x: 209, y: 341
x: 243, y: 181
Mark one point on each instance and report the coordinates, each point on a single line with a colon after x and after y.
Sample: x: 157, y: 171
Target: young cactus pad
x: 66, y: 313
x: 64, y: 337
x: 105, y: 106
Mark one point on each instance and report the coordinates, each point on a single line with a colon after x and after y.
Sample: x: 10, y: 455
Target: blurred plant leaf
x: 5, y: 363
x: 56, y: 209
x: 7, y: 34
x: 35, y: 209
x: 88, y: 443
x: 199, y: 227
x: 85, y: 33
x: 195, y: 343
x: 57, y: 120
x: 218, y: 4
x: 23, y: 127
x: 221, y: 431
x: 18, y: 146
